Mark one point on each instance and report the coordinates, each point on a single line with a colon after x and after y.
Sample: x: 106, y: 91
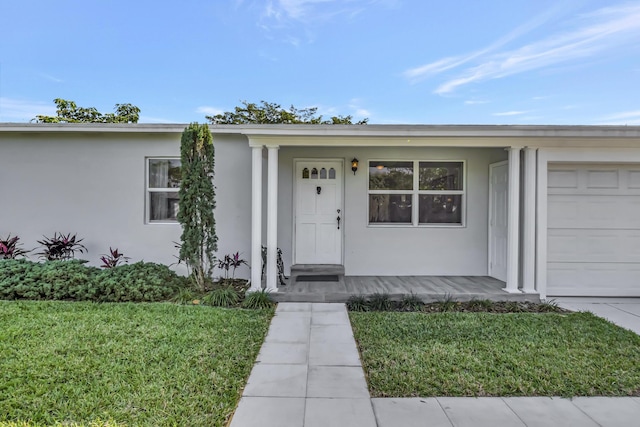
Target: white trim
x: 415, y: 191
x: 546, y: 156
x: 513, y: 213
x: 529, y: 221
x: 272, y: 218
x: 490, y: 214
x: 148, y: 191
x: 294, y: 196
x: 256, y: 218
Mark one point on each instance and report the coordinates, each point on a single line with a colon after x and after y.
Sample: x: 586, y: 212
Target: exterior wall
x: 398, y: 250
x: 94, y: 185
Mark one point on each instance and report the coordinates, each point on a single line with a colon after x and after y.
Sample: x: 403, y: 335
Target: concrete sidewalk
x: 624, y: 312
x: 308, y: 374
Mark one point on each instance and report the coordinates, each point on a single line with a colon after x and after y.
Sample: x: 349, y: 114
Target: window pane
x: 389, y: 208
x: 438, y: 209
x: 440, y: 176
x: 164, y: 173
x: 332, y: 173
x: 390, y: 175
x: 164, y: 206
x: 323, y: 173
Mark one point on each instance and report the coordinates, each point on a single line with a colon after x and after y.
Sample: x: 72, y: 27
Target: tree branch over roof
x: 69, y: 112
x: 272, y: 113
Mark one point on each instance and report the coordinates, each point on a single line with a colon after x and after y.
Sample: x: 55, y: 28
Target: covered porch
x: 427, y: 288
x: 487, y: 253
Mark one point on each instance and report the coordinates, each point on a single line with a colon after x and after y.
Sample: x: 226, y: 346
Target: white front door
x: 498, y: 199
x: 318, y: 212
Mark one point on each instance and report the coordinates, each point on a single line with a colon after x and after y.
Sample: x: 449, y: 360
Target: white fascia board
x: 91, y: 128
x: 375, y: 135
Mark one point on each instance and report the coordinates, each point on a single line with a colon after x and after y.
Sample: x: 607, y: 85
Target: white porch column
x: 272, y: 218
x: 256, y: 218
x: 513, y: 213
x: 529, y: 218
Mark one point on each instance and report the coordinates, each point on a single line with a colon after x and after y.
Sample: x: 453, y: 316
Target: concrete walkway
x: 624, y: 312
x: 308, y: 374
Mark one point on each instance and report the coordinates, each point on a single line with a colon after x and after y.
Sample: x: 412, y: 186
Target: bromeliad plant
x: 231, y: 262
x: 61, y: 247
x: 9, y: 248
x: 114, y: 258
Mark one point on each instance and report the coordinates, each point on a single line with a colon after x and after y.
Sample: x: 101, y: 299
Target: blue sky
x: 393, y: 61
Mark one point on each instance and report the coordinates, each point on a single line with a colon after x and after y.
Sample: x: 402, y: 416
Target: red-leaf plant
x: 231, y: 262
x: 61, y: 247
x: 9, y: 248
x: 114, y: 258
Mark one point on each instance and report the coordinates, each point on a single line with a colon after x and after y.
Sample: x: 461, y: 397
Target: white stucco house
x: 548, y: 210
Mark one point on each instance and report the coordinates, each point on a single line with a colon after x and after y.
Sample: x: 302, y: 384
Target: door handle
x: 338, y: 219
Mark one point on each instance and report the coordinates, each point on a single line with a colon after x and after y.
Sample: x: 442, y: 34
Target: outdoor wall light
x: 354, y: 165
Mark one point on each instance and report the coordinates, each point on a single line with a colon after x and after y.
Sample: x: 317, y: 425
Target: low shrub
x: 52, y: 280
x: 222, y: 297
x: 411, y: 302
x: 139, y: 282
x: 357, y: 303
x: 72, y: 280
x: 258, y: 300
x: 380, y: 302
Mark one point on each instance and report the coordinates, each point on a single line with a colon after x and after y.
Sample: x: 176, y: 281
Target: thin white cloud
x: 604, y: 30
x: 510, y: 113
x: 209, y: 111
x: 419, y: 73
x: 150, y: 119
x: 630, y: 118
x: 475, y: 102
x: 20, y: 110
x: 51, y: 78
x: 303, y: 15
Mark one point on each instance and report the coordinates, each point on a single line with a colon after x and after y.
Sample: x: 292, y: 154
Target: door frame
x: 294, y: 201
x: 490, y: 215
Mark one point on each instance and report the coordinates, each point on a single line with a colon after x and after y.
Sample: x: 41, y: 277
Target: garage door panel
x: 595, y: 211
x: 593, y: 234
x: 599, y: 279
x: 585, y: 245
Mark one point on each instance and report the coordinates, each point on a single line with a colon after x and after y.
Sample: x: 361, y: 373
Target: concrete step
x: 316, y: 270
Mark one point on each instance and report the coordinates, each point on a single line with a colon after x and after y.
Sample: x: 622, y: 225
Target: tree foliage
x: 272, y: 113
x: 69, y: 112
x: 197, y: 201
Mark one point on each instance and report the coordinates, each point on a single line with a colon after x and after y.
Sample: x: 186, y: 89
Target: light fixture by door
x: 354, y: 165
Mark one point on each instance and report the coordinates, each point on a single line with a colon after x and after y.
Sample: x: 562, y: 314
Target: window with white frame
x: 416, y: 192
x: 163, y: 184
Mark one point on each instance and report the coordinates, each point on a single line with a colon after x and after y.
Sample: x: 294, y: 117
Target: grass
x: 485, y: 354
x: 88, y: 364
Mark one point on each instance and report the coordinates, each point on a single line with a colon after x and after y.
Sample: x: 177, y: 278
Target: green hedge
x: 72, y: 280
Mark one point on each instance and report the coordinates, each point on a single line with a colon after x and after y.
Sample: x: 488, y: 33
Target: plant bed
x: 487, y: 354
x: 382, y: 302
x: 124, y: 364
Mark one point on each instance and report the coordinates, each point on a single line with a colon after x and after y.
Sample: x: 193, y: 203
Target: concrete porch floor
x: 427, y: 288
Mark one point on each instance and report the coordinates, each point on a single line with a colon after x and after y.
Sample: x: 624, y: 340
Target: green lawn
x: 483, y: 354
x: 124, y: 364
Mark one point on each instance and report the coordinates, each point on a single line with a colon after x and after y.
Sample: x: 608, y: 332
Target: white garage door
x: 593, y: 230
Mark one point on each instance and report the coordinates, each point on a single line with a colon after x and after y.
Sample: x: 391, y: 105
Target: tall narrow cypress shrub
x: 197, y: 202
